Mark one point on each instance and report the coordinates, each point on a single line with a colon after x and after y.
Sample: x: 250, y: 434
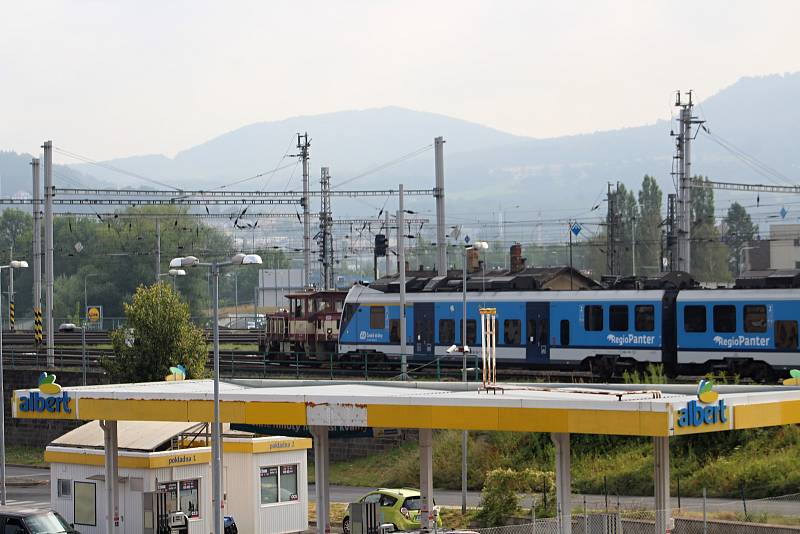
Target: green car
x: 400, y: 507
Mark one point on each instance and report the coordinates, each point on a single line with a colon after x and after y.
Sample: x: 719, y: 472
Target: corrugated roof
x: 131, y: 435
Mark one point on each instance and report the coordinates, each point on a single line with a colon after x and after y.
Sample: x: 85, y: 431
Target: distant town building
x: 275, y: 284
x: 781, y: 250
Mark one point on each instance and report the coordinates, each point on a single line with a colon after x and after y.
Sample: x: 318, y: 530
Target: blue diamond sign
x: 466, y: 240
x: 575, y: 228
x: 783, y: 212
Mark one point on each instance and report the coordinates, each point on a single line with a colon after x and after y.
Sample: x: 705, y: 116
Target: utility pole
x: 158, y: 249
x: 633, y: 246
x: 326, y: 229
x: 441, y: 243
x: 388, y: 236
x: 303, y: 145
x: 37, y: 238
x: 48, y: 249
x: 672, y: 238
x: 401, y: 268
x: 683, y: 171
x: 611, y: 231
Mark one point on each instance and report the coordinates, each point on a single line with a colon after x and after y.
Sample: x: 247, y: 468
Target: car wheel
x: 346, y: 525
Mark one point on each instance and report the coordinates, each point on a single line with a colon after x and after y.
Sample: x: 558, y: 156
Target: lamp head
x: 177, y: 272
x: 186, y: 261
x: 19, y: 264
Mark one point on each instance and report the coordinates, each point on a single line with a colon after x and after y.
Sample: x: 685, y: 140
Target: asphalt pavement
x: 30, y: 486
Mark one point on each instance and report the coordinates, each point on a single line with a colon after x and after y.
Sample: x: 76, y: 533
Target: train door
x: 537, y: 333
x: 423, y: 329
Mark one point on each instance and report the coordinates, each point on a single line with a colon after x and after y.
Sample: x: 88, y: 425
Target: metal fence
x: 773, y: 515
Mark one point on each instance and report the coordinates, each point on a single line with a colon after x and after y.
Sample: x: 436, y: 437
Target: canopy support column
x: 661, y: 466
x: 426, y: 477
x: 563, y: 482
x: 321, y: 472
x: 111, y: 475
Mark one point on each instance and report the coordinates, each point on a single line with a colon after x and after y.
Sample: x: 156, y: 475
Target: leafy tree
x: 163, y: 336
x: 709, y: 253
x: 741, y: 230
x: 648, y: 228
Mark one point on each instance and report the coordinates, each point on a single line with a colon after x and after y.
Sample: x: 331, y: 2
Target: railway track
x: 102, y: 337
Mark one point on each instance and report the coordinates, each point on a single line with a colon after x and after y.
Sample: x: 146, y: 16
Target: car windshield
x: 49, y: 523
x: 412, y: 503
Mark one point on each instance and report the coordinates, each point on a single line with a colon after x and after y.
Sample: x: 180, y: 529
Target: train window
x: 394, y: 330
x: 543, y: 333
x: 593, y: 317
x: 786, y: 335
x: 564, y: 332
x: 472, y: 329
x: 725, y: 318
x: 447, y: 331
x: 645, y: 318
x: 512, y: 331
x: 377, y: 317
x: 618, y: 318
x: 531, y: 331
x: 694, y: 318
x: 755, y: 318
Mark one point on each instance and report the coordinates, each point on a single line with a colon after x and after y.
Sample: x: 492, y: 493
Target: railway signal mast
x: 682, y: 170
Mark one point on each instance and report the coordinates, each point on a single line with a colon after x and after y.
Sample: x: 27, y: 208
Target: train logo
x: 741, y: 341
x: 630, y: 339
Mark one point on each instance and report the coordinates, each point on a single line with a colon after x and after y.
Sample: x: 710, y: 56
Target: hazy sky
x: 116, y: 78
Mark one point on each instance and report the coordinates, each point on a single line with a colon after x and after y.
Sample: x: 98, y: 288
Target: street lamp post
x: 478, y: 245
x: 216, y: 430
x: 22, y: 264
x: 174, y: 273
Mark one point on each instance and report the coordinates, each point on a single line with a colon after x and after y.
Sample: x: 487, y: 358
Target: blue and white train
x: 751, y: 332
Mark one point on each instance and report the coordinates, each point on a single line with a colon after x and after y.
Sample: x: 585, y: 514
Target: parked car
x: 20, y: 520
x: 400, y: 507
x: 67, y: 327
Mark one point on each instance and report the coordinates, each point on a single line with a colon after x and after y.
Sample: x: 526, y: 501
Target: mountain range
x: 756, y: 117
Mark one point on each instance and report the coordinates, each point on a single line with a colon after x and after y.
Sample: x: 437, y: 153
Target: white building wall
x: 282, y: 517
x: 243, y: 491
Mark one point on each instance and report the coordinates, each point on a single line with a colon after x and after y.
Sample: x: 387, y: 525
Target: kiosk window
x: 694, y: 318
x: 64, y: 487
x: 85, y: 504
x: 447, y: 331
x: 279, y: 484
x: 471, y: 331
x: 190, y: 497
x: 512, y: 331
x: 593, y: 317
x: 755, y: 318
x: 725, y: 318
x: 564, y: 332
x: 618, y: 318
x: 786, y: 335
x: 645, y: 318
x: 377, y: 317
x: 171, y: 489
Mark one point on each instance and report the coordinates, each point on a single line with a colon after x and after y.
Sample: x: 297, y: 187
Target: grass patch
x: 33, y: 456
x: 766, y: 462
